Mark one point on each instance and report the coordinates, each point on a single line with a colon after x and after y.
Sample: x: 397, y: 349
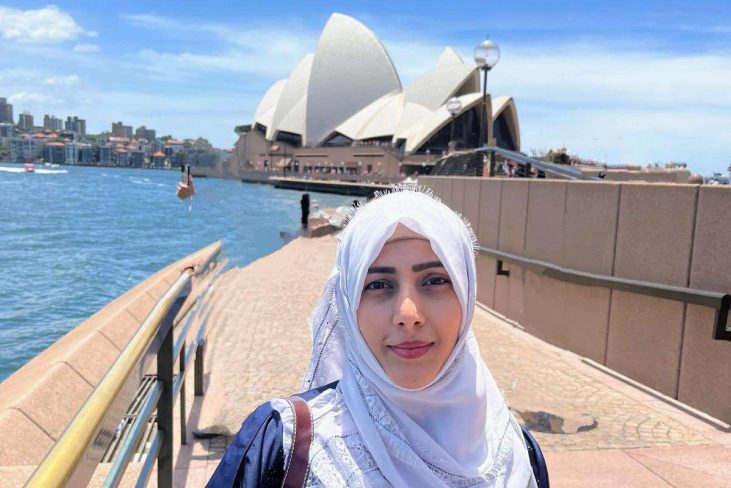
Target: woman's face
x: 409, y: 313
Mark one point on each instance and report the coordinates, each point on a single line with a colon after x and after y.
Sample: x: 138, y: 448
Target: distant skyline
x: 621, y: 81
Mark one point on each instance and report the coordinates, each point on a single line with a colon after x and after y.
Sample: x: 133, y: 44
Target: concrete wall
x: 666, y: 233
x: 39, y: 400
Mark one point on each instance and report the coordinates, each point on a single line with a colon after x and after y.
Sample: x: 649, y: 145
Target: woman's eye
x: 378, y: 285
x: 436, y: 280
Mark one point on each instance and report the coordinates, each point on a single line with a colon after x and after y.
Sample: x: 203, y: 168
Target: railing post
x: 492, y: 163
x: 165, y: 406
x: 183, y: 419
x: 200, y: 352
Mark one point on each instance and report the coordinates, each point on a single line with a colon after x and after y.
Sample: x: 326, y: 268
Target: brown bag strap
x: 298, y: 466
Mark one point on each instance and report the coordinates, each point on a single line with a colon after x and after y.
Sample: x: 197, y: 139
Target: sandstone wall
x: 665, y: 233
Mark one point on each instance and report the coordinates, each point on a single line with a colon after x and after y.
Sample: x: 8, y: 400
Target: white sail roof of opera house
x: 349, y: 86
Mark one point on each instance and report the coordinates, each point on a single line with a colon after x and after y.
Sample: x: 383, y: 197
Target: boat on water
x: 29, y: 168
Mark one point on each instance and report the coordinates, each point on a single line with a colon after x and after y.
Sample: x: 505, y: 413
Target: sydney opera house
x: 344, y: 110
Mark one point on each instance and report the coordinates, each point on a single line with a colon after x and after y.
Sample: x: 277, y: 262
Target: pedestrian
x: 186, y: 191
x: 396, y: 392
x: 305, y: 206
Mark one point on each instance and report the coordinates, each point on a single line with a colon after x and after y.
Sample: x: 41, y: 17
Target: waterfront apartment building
x: 105, y: 155
x: 87, y: 154
x: 26, y: 148
x: 158, y: 159
x: 55, y: 153
x: 121, y: 157
x: 143, y: 132
x: 136, y: 158
x: 6, y: 111
x: 76, y: 125
x: 121, y: 130
x: 25, y: 121
x: 53, y: 123
x: 72, y: 153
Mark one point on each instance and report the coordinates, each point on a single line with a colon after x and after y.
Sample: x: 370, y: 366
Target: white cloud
x: 614, y: 101
x: 86, y: 48
x: 626, y: 103
x: 48, y: 24
x: 270, y: 50
x: 27, y: 98
x: 64, y: 80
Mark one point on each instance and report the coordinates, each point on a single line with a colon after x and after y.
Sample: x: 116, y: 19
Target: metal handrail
x: 721, y: 302
x: 59, y: 465
x: 552, y: 169
x: 74, y: 457
x: 125, y: 451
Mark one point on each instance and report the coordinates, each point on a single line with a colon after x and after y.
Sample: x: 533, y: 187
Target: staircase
x: 464, y: 164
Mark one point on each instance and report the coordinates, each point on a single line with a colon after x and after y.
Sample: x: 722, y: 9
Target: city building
x: 54, y: 153
x: 118, y: 141
x: 77, y: 126
x: 7, y: 129
x: 105, y: 155
x: 121, y: 130
x: 144, y: 133
x: 87, y: 153
x: 24, y: 148
x: 121, y: 156
x: 136, y: 158
x: 6, y: 112
x: 158, y: 159
x: 72, y: 153
x: 343, y: 109
x: 52, y: 123
x: 25, y: 121
x: 173, y: 146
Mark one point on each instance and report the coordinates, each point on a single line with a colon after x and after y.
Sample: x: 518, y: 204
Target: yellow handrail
x: 59, y: 465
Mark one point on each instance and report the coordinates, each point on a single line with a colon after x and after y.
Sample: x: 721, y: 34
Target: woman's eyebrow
x: 382, y: 269
x: 423, y: 266
x: 416, y: 267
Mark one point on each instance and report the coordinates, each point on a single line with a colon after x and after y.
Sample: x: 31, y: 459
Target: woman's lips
x: 412, y: 349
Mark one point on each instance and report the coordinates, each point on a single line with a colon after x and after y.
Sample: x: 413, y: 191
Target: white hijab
x: 456, y: 431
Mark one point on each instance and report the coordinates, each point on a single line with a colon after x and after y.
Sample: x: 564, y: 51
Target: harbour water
x: 74, y: 238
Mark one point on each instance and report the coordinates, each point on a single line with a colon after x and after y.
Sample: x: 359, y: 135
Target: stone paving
x: 535, y: 376
x: 259, y: 347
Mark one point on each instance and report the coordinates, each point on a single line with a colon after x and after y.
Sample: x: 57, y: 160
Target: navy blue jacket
x: 255, y: 458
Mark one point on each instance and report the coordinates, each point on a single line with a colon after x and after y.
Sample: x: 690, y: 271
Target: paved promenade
x: 595, y: 431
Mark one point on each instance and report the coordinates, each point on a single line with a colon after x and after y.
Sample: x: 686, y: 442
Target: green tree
x: 5, y: 150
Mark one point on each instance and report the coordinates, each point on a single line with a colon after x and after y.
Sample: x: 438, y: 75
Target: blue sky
x: 629, y: 82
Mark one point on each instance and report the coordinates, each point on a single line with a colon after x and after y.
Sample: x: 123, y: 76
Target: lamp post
x: 454, y: 106
x: 486, y: 55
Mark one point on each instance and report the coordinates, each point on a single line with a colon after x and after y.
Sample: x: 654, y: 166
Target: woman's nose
x: 408, y: 312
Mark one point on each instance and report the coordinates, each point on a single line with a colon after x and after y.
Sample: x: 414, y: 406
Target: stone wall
x: 39, y: 400
x: 666, y: 233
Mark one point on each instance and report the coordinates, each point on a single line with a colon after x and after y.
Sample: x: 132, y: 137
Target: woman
x: 398, y: 392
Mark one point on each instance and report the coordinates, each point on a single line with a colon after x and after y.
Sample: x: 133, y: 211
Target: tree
x: 5, y: 150
x: 202, y: 144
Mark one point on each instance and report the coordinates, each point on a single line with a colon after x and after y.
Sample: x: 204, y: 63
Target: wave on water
x: 140, y: 181
x: 71, y: 244
x: 37, y: 171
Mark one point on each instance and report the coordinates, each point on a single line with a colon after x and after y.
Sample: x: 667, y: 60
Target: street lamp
x: 486, y: 55
x: 454, y: 106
